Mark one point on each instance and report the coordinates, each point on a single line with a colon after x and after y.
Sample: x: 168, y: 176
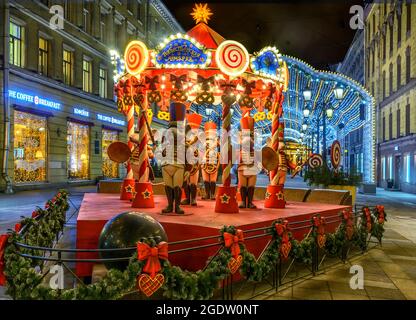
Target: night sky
x: 315, y: 31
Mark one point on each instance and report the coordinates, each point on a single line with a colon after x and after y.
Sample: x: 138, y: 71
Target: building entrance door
x: 397, y: 171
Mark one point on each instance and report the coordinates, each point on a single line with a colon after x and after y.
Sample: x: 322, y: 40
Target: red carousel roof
x: 206, y: 36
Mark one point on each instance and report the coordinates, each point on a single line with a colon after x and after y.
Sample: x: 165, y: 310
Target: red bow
x: 319, y: 223
x: 17, y: 227
x: 35, y: 214
x: 281, y: 228
x: 232, y: 241
x: 152, y: 256
x: 3, y: 243
x: 367, y: 214
x: 347, y: 215
x: 381, y: 217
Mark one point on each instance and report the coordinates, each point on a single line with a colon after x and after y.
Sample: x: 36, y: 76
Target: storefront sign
x: 81, y: 112
x: 111, y: 119
x: 34, y: 99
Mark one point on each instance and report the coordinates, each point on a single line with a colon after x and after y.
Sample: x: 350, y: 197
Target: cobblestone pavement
x: 389, y: 271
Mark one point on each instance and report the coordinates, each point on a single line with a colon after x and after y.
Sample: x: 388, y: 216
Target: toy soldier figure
x: 247, y: 170
x: 192, y: 169
x: 212, y: 163
x: 173, y: 166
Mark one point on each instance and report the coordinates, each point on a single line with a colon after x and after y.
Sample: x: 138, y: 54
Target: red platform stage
x: 97, y: 209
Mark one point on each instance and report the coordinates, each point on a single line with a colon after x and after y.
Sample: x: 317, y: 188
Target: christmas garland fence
x: 149, y: 269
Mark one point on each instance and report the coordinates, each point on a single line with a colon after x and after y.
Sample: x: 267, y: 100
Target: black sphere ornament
x: 124, y: 231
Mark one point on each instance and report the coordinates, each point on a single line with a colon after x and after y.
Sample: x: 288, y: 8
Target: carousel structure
x: 179, y: 82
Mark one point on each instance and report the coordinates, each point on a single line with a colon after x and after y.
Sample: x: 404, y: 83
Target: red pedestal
x: 144, y: 196
x: 127, y: 189
x: 226, y: 200
x: 274, y: 197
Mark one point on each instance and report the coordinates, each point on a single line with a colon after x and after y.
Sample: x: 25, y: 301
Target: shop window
x: 43, y: 56
x: 383, y: 168
x: 103, y: 83
x: 390, y: 164
x: 17, y: 45
x: 407, y: 168
x: 29, y: 147
x: 87, y: 75
x: 78, y: 153
x: 110, y: 168
x: 67, y: 67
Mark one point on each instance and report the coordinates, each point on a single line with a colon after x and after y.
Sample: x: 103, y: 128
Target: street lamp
x: 329, y: 112
x: 304, y: 126
x: 339, y: 93
x: 306, y: 112
x: 307, y: 94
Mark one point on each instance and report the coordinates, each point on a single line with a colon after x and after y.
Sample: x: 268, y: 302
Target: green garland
x: 24, y: 281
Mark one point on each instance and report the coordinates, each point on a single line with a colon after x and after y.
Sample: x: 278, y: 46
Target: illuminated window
x: 86, y: 75
x: 17, y: 45
x: 110, y: 168
x: 406, y: 166
x: 383, y: 168
x: 43, y: 56
x: 29, y: 147
x: 103, y: 83
x: 67, y: 66
x: 78, y: 153
x: 390, y: 164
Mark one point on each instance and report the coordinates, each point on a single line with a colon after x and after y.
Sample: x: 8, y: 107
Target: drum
x: 119, y: 152
x: 269, y: 159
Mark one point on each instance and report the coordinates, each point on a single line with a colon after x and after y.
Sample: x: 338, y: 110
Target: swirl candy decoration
x: 336, y: 154
x: 136, y: 57
x: 315, y: 161
x: 232, y: 58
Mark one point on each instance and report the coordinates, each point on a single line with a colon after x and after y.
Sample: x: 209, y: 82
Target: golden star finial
x: 201, y: 13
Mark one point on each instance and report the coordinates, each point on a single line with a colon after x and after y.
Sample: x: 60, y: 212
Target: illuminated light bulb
x: 163, y: 87
x: 163, y: 78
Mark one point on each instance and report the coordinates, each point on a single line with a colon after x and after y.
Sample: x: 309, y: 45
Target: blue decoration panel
x: 266, y: 62
x: 181, y: 52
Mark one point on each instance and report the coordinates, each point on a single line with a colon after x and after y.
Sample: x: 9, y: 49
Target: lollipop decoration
x: 136, y: 57
x: 232, y: 58
x: 315, y: 161
x: 336, y: 154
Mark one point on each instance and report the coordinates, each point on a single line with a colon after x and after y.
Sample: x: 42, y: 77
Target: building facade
x: 58, y: 113
x: 353, y: 67
x: 390, y: 75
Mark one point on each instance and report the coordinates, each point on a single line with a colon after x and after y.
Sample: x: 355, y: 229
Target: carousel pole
x: 143, y: 188
x: 226, y: 201
x: 274, y: 193
x: 127, y: 189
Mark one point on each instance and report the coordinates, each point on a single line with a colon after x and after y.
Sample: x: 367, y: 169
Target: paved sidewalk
x: 389, y: 271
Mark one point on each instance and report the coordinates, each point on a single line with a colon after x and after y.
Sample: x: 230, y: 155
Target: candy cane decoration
x: 142, y: 146
x: 275, y: 135
x: 226, y: 125
x: 130, y: 132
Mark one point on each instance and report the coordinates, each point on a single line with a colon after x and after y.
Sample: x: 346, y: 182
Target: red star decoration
x: 280, y: 196
x: 129, y: 189
x: 225, y: 198
x: 134, y: 194
x: 146, y: 194
x: 268, y: 195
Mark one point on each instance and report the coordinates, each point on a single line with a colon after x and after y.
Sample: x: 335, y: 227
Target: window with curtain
x: 17, y: 45
x: 390, y: 126
x: 391, y: 79
x: 110, y: 168
x: 103, y: 83
x: 87, y: 75
x: 43, y: 56
x: 68, y: 66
